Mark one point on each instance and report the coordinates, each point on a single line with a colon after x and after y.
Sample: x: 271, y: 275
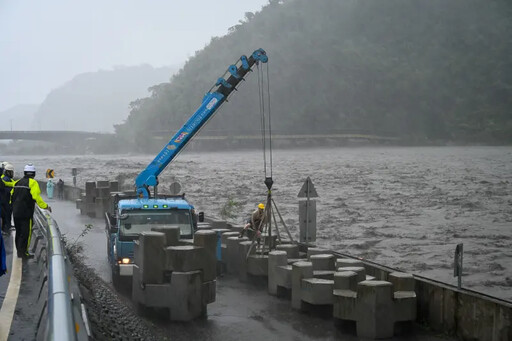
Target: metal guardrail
x: 66, y: 318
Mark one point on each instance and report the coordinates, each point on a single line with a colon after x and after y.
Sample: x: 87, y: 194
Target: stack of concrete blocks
x: 95, y: 201
x: 171, y: 274
x: 311, y: 281
x: 280, y: 268
x: 89, y: 198
x: 102, y: 198
x: 375, y: 305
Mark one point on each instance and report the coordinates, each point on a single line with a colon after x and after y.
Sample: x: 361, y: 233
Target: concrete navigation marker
x: 307, y: 190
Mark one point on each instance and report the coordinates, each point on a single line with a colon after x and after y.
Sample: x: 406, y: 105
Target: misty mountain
x: 423, y: 70
x: 18, y: 117
x: 95, y: 101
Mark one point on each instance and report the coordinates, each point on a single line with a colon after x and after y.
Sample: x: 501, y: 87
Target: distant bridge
x: 63, y: 136
x: 57, y: 136
x: 362, y: 135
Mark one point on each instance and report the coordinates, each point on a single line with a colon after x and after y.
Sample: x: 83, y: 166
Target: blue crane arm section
x: 211, y: 102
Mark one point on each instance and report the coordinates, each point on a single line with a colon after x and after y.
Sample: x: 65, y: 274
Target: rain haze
x: 44, y: 44
x: 400, y: 113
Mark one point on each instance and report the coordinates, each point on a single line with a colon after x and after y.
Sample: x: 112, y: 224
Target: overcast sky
x: 45, y: 43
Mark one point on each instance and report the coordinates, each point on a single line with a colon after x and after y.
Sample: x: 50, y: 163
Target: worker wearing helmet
x: 258, y: 219
x: 6, y: 186
x: 25, y: 194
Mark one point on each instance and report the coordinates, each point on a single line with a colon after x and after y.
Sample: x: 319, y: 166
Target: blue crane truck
x: 128, y: 216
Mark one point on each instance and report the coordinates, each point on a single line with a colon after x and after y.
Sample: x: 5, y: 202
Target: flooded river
x: 403, y: 207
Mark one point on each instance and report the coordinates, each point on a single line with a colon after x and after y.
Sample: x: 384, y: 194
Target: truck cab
x: 130, y: 217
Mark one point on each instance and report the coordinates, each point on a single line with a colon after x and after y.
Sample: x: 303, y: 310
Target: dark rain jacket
x: 6, y: 186
x: 25, y: 194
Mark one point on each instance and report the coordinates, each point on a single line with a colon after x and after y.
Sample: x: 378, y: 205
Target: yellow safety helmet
x: 261, y: 206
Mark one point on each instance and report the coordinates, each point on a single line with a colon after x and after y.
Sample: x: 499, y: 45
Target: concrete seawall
x: 465, y: 313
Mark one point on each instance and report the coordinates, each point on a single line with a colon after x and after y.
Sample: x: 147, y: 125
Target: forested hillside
x: 425, y: 70
x: 95, y: 101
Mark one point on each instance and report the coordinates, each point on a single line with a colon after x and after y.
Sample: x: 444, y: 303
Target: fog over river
x: 404, y: 207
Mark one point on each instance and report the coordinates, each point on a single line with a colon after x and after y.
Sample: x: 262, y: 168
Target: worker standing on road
x: 60, y: 189
x: 258, y: 219
x: 6, y: 186
x: 25, y: 194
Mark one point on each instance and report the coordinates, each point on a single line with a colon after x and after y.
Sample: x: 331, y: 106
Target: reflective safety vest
x: 24, y: 195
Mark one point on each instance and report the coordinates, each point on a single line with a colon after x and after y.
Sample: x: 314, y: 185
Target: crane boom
x: 213, y: 99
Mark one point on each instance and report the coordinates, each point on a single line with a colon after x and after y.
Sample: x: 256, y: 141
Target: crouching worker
x: 256, y: 223
x: 25, y: 194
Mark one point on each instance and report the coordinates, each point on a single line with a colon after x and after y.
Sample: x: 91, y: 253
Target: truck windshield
x: 143, y: 220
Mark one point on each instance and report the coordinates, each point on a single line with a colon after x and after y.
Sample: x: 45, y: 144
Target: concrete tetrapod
x: 376, y: 305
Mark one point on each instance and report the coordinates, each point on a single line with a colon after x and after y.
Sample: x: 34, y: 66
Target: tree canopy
x: 423, y: 70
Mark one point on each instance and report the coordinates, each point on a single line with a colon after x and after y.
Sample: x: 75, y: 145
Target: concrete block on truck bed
x: 151, y: 260
x: 186, y: 301
x: 90, y: 191
x: 112, y: 199
x: 114, y: 186
x: 172, y: 234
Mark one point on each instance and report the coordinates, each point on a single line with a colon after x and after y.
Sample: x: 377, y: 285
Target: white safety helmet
x: 8, y: 167
x: 30, y: 168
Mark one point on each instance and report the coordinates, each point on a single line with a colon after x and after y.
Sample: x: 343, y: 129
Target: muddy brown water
x: 404, y: 207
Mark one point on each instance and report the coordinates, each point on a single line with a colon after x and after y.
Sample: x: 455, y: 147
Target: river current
x: 404, y: 207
